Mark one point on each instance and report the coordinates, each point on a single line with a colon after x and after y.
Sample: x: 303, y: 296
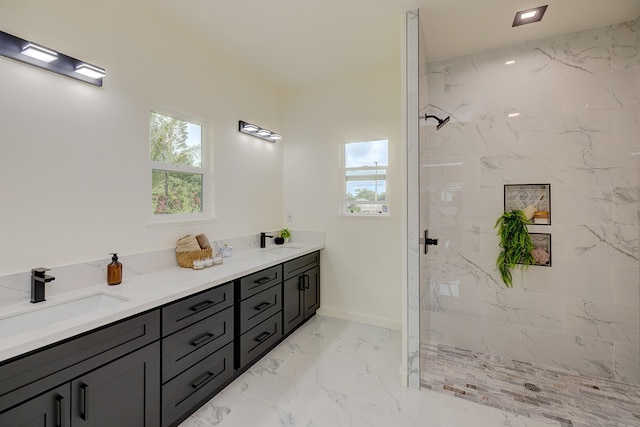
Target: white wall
x: 74, y: 158
x: 361, y: 267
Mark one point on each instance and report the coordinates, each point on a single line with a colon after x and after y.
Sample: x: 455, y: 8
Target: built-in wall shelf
x: 520, y: 196
x: 541, y: 248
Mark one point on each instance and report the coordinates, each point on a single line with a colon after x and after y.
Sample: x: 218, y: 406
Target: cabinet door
x: 293, y: 302
x: 122, y: 393
x: 50, y: 409
x: 311, y: 292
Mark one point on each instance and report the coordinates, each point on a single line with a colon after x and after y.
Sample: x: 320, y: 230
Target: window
x: 364, y: 171
x: 177, y: 171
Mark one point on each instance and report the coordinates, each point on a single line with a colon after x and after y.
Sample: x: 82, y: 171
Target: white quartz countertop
x: 140, y: 293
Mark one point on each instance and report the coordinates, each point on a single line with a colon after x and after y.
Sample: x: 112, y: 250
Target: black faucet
x: 263, y: 240
x: 38, y: 279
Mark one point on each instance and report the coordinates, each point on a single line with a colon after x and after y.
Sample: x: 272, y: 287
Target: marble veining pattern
x: 577, y: 127
x: 336, y: 373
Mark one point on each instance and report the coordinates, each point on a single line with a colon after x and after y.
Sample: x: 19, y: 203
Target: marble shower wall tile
x: 624, y: 46
x: 626, y: 289
x: 528, y: 309
x: 603, y: 320
x: 579, y: 130
x: 575, y: 354
x: 627, y: 362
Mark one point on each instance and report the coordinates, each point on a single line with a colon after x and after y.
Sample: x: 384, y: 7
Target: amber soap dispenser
x: 114, y: 271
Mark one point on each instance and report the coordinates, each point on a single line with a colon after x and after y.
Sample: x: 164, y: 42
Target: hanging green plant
x: 515, y: 243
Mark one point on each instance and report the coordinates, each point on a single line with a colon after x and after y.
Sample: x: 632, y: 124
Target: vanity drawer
x: 303, y: 263
x: 257, y: 282
x: 260, y: 307
x: 195, y: 308
x: 258, y: 340
x: 188, y: 346
x: 196, y: 385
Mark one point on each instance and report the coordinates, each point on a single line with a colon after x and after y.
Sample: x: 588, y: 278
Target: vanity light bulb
x: 38, y: 52
x: 275, y: 136
x: 264, y: 132
x: 90, y: 71
x: 250, y: 128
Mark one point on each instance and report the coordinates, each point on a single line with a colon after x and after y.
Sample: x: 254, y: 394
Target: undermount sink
x: 280, y: 250
x: 48, y: 313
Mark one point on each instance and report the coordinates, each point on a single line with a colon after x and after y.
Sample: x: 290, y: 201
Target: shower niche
x: 523, y: 196
x: 528, y: 197
x: 541, y: 249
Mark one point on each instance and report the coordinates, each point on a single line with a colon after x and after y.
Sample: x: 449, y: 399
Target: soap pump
x: 114, y: 271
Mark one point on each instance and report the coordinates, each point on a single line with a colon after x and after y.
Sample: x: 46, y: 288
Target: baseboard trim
x: 360, y: 318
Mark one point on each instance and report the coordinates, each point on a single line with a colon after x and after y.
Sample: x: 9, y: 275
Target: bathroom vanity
x: 158, y: 366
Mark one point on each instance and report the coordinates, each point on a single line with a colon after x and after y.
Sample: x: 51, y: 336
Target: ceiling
x: 295, y: 43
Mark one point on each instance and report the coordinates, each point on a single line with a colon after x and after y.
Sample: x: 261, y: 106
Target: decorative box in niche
x: 533, y: 199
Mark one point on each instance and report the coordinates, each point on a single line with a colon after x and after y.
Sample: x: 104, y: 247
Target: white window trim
x: 206, y: 169
x: 342, y: 173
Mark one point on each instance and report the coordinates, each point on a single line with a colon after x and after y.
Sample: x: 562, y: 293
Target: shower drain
x: 532, y: 387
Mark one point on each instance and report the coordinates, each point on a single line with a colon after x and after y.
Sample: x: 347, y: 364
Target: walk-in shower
x: 578, y: 132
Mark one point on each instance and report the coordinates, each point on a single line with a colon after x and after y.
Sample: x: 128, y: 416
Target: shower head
x: 441, y: 122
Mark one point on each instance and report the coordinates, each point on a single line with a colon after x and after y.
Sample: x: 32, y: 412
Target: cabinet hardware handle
x: 60, y: 405
x: 199, y: 383
x: 202, y: 339
x: 84, y: 396
x: 263, y: 336
x: 202, y: 306
x: 262, y: 306
x: 265, y: 279
x: 307, y: 281
x: 301, y: 283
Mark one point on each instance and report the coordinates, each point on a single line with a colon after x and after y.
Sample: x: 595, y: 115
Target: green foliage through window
x: 177, y: 177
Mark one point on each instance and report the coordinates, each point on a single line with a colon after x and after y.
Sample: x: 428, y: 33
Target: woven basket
x: 185, y: 259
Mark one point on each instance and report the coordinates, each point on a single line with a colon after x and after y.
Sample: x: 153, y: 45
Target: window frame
x: 343, y: 180
x: 205, y: 170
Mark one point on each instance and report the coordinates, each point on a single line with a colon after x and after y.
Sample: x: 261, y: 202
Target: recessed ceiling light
x: 530, y: 15
x: 513, y: 115
x: 510, y: 62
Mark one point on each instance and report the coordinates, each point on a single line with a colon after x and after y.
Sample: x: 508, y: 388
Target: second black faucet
x: 263, y: 239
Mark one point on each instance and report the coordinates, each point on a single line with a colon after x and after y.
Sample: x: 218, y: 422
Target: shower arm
x: 441, y: 122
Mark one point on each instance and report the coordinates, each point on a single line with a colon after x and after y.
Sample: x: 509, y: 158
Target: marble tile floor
x: 337, y: 373
x: 572, y: 400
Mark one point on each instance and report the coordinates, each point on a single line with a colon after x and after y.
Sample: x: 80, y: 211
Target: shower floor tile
x: 569, y: 399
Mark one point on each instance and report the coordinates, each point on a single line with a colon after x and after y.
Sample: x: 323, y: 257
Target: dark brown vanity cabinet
x: 301, y: 290
x: 106, y: 377
x: 259, y: 314
x: 197, y: 351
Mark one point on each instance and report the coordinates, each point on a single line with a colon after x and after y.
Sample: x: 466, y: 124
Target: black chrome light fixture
x: 529, y: 16
x: 258, y: 132
x: 48, y: 59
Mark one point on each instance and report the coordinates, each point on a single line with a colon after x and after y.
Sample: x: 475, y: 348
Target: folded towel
x: 188, y: 243
x: 203, y: 241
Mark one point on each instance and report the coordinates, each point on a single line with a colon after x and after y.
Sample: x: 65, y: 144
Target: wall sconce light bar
x: 258, y: 132
x: 48, y: 59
